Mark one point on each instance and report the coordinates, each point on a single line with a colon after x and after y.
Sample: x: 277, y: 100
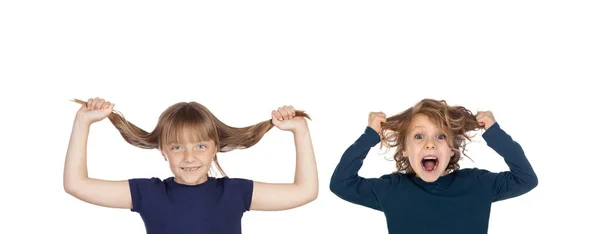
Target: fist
x: 485, y: 119
x: 375, y: 120
x: 95, y: 110
x: 285, y: 119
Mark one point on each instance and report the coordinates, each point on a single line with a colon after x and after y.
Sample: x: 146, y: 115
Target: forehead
x: 185, y: 133
x: 421, y: 121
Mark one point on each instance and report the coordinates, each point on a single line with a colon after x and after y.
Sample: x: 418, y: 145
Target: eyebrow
x: 416, y: 127
x: 199, y: 142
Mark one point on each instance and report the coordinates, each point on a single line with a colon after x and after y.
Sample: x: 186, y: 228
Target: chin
x: 429, y: 176
x: 192, y: 178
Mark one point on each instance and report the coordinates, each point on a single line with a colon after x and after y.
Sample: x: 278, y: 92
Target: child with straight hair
x: 429, y: 193
x: 189, y: 137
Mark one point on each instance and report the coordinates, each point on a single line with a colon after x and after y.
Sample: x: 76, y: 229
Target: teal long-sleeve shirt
x: 457, y: 203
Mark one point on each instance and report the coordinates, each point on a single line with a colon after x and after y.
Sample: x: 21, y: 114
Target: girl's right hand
x: 95, y: 110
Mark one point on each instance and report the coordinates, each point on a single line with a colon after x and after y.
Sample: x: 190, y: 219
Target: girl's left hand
x: 485, y: 119
x: 285, y: 119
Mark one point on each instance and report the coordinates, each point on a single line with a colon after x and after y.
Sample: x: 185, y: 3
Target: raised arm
x: 345, y: 181
x: 305, y: 188
x: 114, y: 194
x: 520, y: 178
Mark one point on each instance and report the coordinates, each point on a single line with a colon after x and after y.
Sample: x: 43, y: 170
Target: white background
x: 244, y: 58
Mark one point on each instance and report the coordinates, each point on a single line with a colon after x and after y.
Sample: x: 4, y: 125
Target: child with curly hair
x: 429, y: 193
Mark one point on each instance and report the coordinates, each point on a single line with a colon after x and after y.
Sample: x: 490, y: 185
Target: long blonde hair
x: 192, y: 115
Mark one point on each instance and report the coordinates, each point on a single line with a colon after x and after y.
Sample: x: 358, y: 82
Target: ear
x: 404, y: 153
x: 164, y: 155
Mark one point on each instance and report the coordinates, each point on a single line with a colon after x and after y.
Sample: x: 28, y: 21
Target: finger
x: 97, y: 103
x: 277, y: 115
x: 111, y: 107
x: 292, y: 111
x: 286, y: 112
x: 94, y: 103
x: 105, y: 105
x: 101, y: 103
x: 280, y: 114
x: 274, y: 117
x: 89, y: 103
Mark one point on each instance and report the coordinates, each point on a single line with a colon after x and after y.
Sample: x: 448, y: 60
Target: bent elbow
x: 70, y: 189
x: 73, y: 186
x: 533, y: 183
x: 311, y: 195
x: 68, y: 186
x: 336, y: 187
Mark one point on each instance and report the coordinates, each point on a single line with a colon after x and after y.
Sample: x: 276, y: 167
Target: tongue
x: 429, y: 165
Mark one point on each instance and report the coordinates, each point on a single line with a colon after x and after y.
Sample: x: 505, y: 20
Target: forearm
x: 513, y: 154
x: 520, y: 178
x: 306, y: 175
x: 352, y: 160
x: 348, y: 185
x: 75, y: 168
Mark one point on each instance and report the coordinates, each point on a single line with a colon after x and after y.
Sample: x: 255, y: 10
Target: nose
x: 187, y: 156
x: 430, y: 144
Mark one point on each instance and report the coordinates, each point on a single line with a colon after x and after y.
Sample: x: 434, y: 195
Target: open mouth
x: 429, y: 163
x: 190, y: 169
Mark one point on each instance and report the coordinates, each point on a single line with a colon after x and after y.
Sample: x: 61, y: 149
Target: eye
x: 202, y: 146
x: 419, y: 136
x: 442, y: 137
x: 175, y: 147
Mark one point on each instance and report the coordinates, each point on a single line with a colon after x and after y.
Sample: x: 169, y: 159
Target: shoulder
x: 235, y: 185
x: 145, y: 183
x: 233, y: 182
x: 475, y: 176
x: 393, y: 178
x: 473, y: 173
x: 388, y: 182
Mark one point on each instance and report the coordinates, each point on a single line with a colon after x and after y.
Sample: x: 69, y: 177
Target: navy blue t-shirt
x: 215, y: 206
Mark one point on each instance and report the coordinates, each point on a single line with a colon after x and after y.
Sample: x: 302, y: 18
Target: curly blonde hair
x: 455, y: 122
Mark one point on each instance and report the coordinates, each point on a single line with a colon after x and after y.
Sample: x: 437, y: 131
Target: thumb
x: 274, y: 119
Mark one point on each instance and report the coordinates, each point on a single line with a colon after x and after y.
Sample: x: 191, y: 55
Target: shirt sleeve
x: 519, y: 179
x: 241, y: 191
x: 140, y: 189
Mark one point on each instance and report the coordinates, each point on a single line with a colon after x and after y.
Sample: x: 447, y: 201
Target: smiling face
x: 426, y: 146
x: 189, y: 141
x: 190, y: 159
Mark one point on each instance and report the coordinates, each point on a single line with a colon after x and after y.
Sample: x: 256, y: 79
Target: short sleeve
x: 240, y: 190
x: 139, y: 189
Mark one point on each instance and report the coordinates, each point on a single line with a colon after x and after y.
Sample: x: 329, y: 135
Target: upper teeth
x: 190, y: 168
x: 430, y: 157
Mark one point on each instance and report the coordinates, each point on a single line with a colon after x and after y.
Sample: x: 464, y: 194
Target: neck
x: 201, y: 180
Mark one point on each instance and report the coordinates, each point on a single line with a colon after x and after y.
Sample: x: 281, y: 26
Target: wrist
x: 82, y: 121
x: 300, y: 128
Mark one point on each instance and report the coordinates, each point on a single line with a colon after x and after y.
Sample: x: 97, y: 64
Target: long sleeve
x: 349, y: 186
x: 520, y: 178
